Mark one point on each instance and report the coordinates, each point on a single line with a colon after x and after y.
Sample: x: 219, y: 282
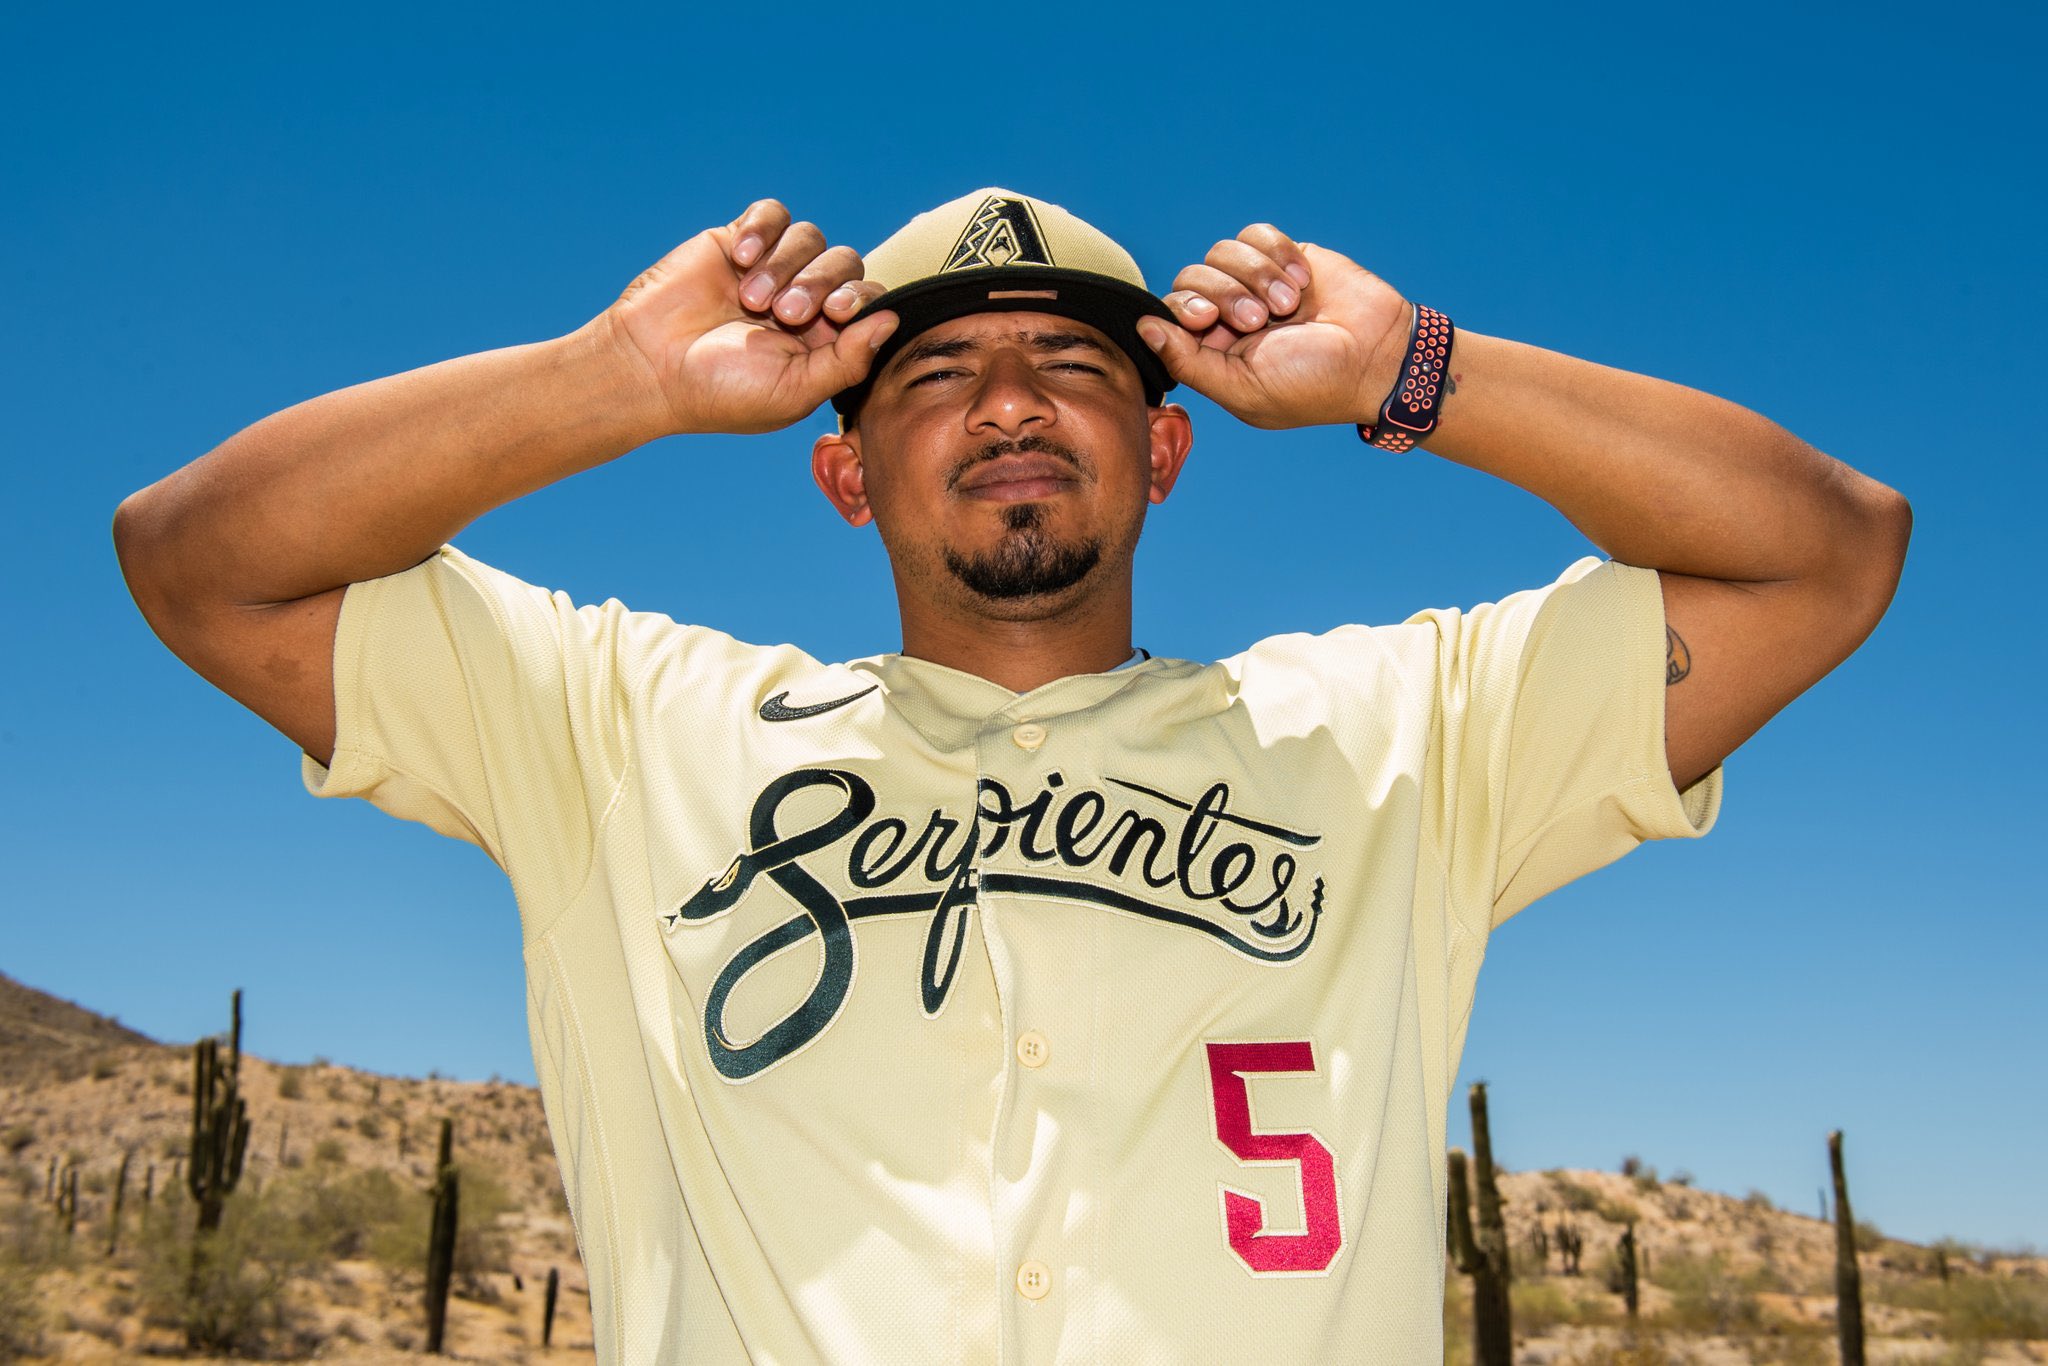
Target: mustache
x: 1037, y: 445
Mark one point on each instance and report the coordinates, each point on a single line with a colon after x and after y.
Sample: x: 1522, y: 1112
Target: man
x: 1016, y: 996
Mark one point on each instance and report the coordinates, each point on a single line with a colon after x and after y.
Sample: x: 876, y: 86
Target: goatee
x: 1027, y: 562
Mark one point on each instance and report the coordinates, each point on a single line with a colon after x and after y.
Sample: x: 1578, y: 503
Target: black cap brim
x: 1110, y: 306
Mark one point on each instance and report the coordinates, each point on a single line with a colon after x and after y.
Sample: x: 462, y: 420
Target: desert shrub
x: 1758, y: 1201
x: 16, y: 1138
x: 32, y: 1241
x: 1681, y: 1177
x: 1636, y: 1348
x: 481, y: 1245
x: 1575, y: 1196
x: 348, y: 1214
x: 290, y: 1084
x: 1706, y: 1297
x: 21, y: 1317
x: 227, y: 1290
x: 330, y: 1150
x: 1975, y: 1308
x: 104, y: 1067
x: 368, y: 1125
x: 1457, y: 1322
x: 1617, y: 1211
x: 1868, y: 1235
x: 1538, y: 1306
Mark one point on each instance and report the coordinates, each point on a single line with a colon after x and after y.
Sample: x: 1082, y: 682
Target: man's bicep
x: 1735, y: 654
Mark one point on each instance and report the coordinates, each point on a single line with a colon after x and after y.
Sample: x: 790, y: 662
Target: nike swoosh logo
x: 774, y: 710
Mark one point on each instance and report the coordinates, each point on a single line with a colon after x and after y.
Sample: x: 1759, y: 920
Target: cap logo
x: 1002, y: 232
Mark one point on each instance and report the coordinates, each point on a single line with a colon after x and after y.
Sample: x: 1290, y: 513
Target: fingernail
x: 749, y: 247
x: 1298, y: 273
x: 754, y: 291
x: 1197, y: 305
x: 1250, y: 314
x: 1153, y: 334
x: 1284, y: 298
x: 840, y: 298
x: 793, y: 304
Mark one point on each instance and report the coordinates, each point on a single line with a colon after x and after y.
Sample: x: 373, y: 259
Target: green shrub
x: 16, y: 1138
x: 1975, y: 1308
x: 1706, y: 1297
x: 1576, y: 1196
x: 227, y: 1291
x: 1538, y: 1306
x: 1618, y: 1211
x: 290, y: 1084
x: 330, y: 1150
x: 21, y: 1315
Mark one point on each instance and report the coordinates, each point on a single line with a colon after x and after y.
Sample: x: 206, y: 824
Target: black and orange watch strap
x: 1410, y: 412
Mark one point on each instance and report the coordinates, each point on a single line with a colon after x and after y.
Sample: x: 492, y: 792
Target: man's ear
x: 835, y: 464
x: 1173, y: 436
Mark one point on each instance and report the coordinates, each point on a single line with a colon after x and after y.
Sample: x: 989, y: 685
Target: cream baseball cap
x: 998, y: 251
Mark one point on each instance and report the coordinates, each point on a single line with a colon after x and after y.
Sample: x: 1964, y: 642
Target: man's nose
x: 1008, y: 396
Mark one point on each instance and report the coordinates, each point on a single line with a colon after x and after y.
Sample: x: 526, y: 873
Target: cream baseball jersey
x: 883, y: 1014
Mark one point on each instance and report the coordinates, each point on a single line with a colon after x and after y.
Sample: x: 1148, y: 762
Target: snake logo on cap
x: 1002, y: 232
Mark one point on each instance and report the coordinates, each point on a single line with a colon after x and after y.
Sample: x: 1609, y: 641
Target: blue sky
x: 1821, y: 213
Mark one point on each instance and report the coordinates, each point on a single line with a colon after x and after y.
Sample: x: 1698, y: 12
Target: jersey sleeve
x: 486, y: 708
x: 1552, y: 707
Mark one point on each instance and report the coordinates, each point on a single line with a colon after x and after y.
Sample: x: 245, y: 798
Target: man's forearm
x: 1653, y: 473
x: 368, y: 480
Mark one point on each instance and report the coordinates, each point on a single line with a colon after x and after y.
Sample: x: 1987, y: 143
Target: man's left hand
x: 1283, y: 334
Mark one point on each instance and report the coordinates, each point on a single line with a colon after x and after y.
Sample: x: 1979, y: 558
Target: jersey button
x: 1032, y: 1048
x: 1034, y: 1280
x: 1030, y: 735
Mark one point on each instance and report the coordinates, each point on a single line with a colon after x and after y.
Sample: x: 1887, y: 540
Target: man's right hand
x: 742, y: 328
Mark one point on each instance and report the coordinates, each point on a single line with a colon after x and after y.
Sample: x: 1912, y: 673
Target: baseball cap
x: 998, y: 251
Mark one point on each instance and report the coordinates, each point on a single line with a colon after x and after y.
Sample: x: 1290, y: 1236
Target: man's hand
x: 1281, y: 334
x: 743, y: 328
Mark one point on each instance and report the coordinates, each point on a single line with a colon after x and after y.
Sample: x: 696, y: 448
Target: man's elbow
x: 142, y: 545
x: 1874, y: 555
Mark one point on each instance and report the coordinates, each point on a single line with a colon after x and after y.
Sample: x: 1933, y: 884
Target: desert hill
x: 329, y: 1221
x: 41, y: 1035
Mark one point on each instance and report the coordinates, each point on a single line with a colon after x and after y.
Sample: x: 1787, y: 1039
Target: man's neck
x: 1022, y: 655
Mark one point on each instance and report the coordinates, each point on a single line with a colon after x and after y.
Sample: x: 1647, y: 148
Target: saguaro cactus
x: 441, y: 1243
x: 67, y: 1200
x: 220, y: 1123
x: 1625, y: 1259
x: 1482, y: 1253
x: 1848, y: 1282
x: 120, y: 1190
x: 547, y: 1313
x: 1570, y: 1245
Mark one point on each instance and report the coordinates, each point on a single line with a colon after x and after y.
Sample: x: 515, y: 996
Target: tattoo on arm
x: 1677, y: 658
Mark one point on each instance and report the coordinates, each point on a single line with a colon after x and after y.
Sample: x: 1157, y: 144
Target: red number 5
x: 1244, y: 1216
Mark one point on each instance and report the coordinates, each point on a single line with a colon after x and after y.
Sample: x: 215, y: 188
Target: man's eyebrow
x: 1046, y: 343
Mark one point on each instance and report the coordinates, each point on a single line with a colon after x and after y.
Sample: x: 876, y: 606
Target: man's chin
x: 1025, y: 566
